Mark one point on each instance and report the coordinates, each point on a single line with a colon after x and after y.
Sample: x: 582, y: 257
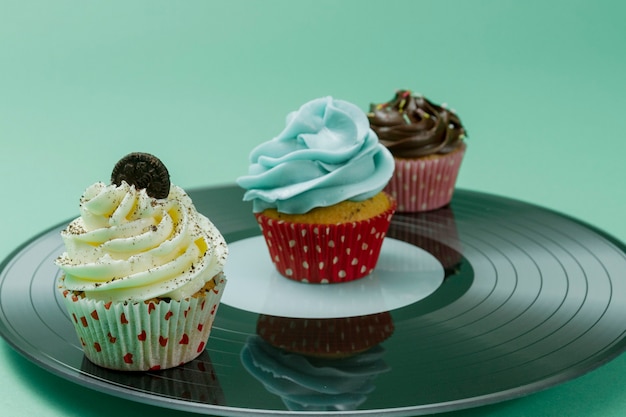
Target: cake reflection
x: 434, y: 231
x: 318, y: 364
x: 193, y: 381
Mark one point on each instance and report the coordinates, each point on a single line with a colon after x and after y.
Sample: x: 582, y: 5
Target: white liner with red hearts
x: 143, y: 336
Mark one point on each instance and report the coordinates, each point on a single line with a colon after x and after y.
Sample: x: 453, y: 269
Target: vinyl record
x: 478, y: 302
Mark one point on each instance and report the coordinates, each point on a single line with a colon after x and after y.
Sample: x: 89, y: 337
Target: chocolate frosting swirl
x: 411, y: 126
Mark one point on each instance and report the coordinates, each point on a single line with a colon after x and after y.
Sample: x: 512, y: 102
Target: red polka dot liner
x: 143, y: 336
x: 325, y: 254
x: 423, y: 184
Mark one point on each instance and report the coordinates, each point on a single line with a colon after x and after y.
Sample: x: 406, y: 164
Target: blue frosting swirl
x: 326, y: 154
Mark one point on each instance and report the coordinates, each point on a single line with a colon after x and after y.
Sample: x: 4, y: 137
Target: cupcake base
x: 424, y: 184
x: 143, y: 336
x: 325, y: 253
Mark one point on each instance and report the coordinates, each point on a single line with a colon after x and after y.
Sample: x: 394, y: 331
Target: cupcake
x: 142, y: 270
x: 316, y: 192
x: 427, y: 142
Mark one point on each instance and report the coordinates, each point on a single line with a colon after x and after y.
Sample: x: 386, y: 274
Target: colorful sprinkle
x: 423, y: 113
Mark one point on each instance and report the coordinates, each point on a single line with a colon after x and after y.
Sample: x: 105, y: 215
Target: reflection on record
x: 193, y: 381
x: 319, y: 364
x: 434, y: 231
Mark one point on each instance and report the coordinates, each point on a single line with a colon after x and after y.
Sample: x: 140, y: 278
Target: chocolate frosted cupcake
x: 142, y: 270
x: 427, y: 142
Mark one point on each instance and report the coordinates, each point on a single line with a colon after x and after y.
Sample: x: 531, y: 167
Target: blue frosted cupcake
x: 316, y: 190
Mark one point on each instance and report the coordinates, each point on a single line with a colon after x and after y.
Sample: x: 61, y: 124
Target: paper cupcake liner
x: 328, y: 338
x: 323, y: 254
x: 143, y: 335
x: 424, y: 184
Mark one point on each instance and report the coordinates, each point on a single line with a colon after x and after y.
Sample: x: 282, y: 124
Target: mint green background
x: 540, y: 86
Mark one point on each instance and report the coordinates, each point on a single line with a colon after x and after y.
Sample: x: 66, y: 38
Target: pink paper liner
x: 323, y: 254
x: 424, y: 184
x: 143, y: 336
x: 331, y: 337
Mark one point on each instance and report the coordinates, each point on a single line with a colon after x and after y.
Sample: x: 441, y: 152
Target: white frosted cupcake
x: 142, y: 270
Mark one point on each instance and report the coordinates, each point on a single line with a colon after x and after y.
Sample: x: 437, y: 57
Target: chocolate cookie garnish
x: 143, y: 170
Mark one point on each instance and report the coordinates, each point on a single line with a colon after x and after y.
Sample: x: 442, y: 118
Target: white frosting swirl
x: 326, y: 154
x: 128, y: 246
